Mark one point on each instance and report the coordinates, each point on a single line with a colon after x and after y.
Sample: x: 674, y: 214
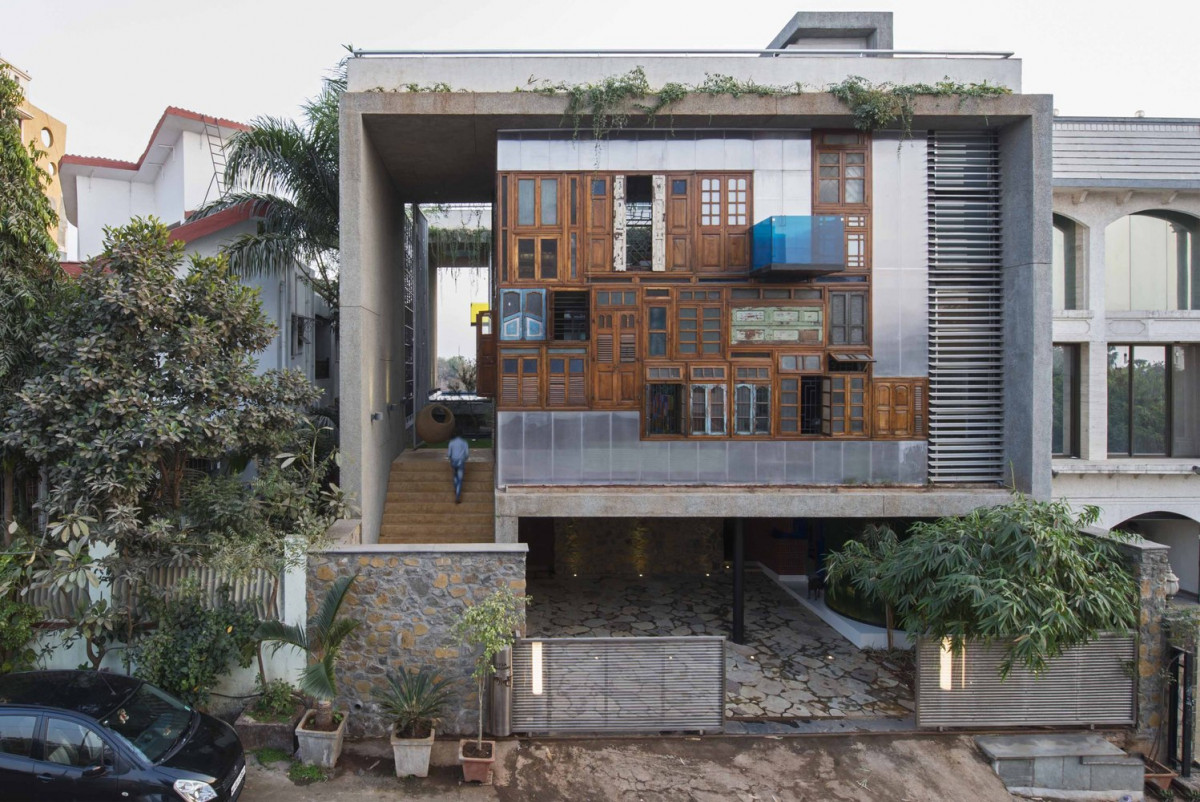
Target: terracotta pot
x: 412, y: 754
x: 435, y: 423
x: 1159, y: 775
x: 477, y: 769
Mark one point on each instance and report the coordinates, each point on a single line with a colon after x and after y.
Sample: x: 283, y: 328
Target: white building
x: 180, y: 170
x: 1126, y: 426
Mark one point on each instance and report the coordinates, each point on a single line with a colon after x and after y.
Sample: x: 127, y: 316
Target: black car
x: 92, y: 736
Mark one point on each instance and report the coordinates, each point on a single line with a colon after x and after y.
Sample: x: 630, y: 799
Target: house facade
x: 1126, y: 353
x: 748, y: 310
x: 180, y: 170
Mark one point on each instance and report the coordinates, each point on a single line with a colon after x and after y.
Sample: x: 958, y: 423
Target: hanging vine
x: 611, y: 103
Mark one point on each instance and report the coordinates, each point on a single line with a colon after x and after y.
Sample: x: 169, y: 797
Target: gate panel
x: 618, y: 684
x: 1089, y: 684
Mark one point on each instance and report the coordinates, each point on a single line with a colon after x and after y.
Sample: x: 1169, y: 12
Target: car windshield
x: 151, y: 721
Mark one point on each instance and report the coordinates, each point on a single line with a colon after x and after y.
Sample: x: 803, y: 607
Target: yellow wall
x: 31, y: 129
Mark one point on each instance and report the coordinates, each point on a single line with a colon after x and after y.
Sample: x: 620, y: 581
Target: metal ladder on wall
x: 216, y: 149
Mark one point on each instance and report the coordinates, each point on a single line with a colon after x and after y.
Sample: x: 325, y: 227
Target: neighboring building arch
x: 1151, y: 261
x: 1069, y: 262
x: 1179, y: 532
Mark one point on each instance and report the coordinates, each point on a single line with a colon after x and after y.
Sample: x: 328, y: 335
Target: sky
x: 108, y: 68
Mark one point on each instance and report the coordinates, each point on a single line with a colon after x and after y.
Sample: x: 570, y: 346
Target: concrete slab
x: 1010, y: 747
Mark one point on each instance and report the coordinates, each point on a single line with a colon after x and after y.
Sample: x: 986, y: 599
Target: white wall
x: 1184, y: 539
x: 109, y: 202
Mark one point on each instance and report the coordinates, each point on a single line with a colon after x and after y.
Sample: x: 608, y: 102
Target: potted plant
x: 491, y: 627
x: 415, y: 701
x: 270, y: 721
x: 321, y: 731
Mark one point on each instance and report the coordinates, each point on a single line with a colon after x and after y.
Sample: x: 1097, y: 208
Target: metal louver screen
x: 618, y: 685
x: 966, y: 342
x: 1089, y: 684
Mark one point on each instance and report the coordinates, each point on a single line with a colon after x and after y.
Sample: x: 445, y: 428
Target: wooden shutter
x: 576, y: 382
x: 510, y: 382
x: 597, y: 191
x: 844, y: 405
x: 529, y: 381
x: 679, y: 220
x: 724, y: 217
x: 616, y: 360
x: 899, y: 406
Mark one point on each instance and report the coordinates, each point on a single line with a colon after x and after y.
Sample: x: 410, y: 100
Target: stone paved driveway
x: 792, y: 666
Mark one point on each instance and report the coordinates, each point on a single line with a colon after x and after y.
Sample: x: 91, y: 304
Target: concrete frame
x: 441, y: 147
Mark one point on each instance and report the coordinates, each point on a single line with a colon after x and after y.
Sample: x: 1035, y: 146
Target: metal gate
x: 1181, y: 710
x: 1089, y: 684
x: 618, y: 684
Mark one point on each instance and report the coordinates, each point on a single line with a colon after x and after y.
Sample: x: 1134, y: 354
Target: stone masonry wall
x: 408, y: 599
x: 636, y: 546
x: 1148, y: 562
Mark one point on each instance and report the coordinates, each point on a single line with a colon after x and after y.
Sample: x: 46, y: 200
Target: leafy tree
x: 862, y: 561
x: 289, y: 172
x: 1022, y: 574
x: 138, y: 373
x: 28, y: 265
x: 491, y: 626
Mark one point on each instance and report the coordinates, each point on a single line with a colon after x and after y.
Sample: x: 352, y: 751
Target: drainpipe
x: 285, y: 327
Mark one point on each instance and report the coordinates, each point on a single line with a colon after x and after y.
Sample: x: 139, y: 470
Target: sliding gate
x: 618, y: 684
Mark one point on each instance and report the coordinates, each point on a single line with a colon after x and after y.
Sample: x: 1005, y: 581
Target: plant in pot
x: 270, y: 721
x: 415, y: 701
x: 491, y: 627
x: 321, y: 731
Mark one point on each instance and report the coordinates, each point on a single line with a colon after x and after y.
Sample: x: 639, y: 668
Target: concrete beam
x: 709, y: 502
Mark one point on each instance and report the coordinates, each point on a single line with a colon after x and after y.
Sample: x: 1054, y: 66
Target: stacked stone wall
x: 1150, y: 567
x: 407, y: 600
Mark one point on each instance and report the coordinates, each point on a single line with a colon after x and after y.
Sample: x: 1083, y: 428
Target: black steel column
x: 1189, y: 712
x: 739, y: 590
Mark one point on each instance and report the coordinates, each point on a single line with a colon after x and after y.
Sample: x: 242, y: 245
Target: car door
x: 17, y: 737
x: 77, y: 764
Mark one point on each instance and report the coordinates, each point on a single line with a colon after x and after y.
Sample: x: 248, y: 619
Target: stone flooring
x: 792, y: 666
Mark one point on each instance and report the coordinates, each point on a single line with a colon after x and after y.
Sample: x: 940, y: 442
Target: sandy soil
x: 864, y: 768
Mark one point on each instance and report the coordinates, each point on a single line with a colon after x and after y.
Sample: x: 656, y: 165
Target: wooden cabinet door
x: 485, y: 354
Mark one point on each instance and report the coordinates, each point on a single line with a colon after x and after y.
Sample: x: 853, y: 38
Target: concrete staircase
x: 420, y: 504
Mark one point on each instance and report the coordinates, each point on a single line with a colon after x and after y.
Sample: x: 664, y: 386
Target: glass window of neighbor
x: 1067, y: 289
x: 1065, y: 414
x: 1138, y: 408
x: 1151, y: 262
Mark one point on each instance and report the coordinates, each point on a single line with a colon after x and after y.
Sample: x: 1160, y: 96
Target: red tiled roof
x: 72, y: 269
x: 195, y: 229
x: 172, y: 111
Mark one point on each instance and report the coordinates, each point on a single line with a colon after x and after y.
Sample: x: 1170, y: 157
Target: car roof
x: 92, y: 693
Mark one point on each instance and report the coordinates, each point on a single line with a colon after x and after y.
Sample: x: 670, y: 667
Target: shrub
x: 194, y: 644
x: 276, y: 700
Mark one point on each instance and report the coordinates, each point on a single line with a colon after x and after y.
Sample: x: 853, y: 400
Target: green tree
x: 289, y: 172
x: 861, y: 561
x: 28, y: 266
x: 139, y: 372
x: 1022, y: 574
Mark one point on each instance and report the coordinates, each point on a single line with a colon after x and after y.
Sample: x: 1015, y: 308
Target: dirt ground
x: 861, y: 768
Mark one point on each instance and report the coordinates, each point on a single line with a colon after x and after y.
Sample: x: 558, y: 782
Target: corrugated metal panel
x: 966, y: 336
x: 58, y: 604
x: 1112, y: 149
x: 1089, y: 684
x: 620, y: 685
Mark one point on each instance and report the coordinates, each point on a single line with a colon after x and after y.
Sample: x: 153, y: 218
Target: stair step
x: 437, y: 535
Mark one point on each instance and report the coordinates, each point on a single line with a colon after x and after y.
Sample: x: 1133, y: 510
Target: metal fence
x: 646, y: 684
x: 1086, y: 685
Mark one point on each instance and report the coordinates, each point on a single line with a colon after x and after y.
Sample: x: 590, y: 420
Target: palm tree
x: 322, y: 641
x: 289, y: 172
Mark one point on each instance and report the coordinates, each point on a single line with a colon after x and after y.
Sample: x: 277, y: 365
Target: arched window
x: 1151, y: 262
x: 1068, y: 281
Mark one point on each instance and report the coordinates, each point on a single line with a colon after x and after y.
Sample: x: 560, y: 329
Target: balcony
x: 791, y: 246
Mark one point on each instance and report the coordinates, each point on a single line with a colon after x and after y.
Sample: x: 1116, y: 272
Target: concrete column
x: 1094, y: 434
x: 506, y: 528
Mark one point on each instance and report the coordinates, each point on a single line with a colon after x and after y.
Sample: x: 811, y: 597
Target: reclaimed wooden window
x: 566, y: 384
x: 656, y: 331
x: 538, y: 202
x: 664, y: 408
x: 519, y: 380
x: 752, y: 401
x: 844, y: 405
x: 570, y: 315
x: 698, y: 330
x: 707, y: 406
x: 522, y: 314
x: 800, y: 363
x: 900, y: 407
x: 724, y: 215
x: 841, y: 177
x: 847, y: 318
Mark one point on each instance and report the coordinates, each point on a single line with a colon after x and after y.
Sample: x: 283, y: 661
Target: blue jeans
x: 458, y: 467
